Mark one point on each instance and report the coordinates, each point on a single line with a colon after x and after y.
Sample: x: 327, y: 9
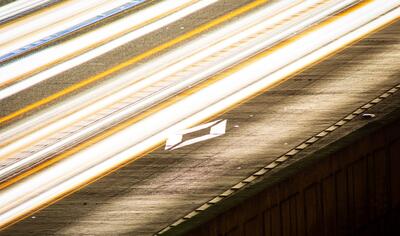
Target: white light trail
x: 97, y: 36
x: 53, y: 182
x: 26, y: 30
x: 231, y: 38
x: 19, y: 7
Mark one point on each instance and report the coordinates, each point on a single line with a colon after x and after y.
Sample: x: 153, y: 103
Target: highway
x: 65, y: 125
x: 15, y: 9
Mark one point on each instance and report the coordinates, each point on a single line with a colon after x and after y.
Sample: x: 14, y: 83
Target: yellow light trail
x: 133, y: 60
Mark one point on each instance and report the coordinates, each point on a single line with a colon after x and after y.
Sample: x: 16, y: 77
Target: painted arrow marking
x: 217, y: 128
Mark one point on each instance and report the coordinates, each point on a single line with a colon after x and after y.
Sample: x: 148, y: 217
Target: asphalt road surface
x: 153, y: 192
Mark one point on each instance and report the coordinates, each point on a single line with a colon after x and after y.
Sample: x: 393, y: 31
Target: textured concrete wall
x: 355, y: 191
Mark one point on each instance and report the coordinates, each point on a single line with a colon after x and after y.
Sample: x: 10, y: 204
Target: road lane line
x: 183, y: 95
x: 134, y: 60
x: 60, y: 111
x: 106, y: 45
x: 25, y: 67
x: 60, y: 195
x: 211, y: 69
x: 37, y: 21
x: 7, y: 20
x: 69, y: 30
x: 264, y: 16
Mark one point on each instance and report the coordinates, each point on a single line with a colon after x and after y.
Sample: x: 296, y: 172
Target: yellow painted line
x: 93, y: 46
x: 196, y: 31
x: 179, y: 97
x: 74, y: 54
x: 193, y: 90
x: 134, y: 60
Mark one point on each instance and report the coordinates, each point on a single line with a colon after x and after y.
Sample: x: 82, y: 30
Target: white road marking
x: 217, y: 128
